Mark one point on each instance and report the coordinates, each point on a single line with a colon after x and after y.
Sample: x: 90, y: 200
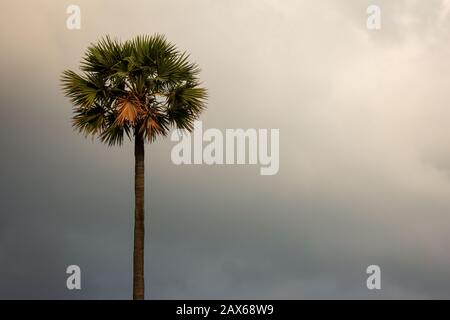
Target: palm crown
x: 143, y: 86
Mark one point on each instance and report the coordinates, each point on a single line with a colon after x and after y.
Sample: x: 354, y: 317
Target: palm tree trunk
x: 139, y: 231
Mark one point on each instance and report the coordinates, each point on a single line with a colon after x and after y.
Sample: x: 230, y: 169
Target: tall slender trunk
x: 139, y: 231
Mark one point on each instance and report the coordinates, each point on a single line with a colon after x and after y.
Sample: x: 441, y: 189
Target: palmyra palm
x: 140, y: 89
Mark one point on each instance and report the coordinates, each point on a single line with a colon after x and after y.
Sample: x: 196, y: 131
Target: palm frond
x: 89, y: 121
x: 79, y: 89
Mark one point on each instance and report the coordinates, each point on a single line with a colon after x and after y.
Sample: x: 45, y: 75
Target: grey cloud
x: 363, y: 169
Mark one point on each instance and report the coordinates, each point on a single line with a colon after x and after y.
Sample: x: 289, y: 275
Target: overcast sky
x: 364, y: 154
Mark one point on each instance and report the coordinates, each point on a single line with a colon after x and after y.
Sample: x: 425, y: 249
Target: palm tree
x: 141, y: 88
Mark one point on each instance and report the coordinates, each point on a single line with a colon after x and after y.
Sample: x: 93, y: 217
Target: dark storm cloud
x: 363, y: 166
